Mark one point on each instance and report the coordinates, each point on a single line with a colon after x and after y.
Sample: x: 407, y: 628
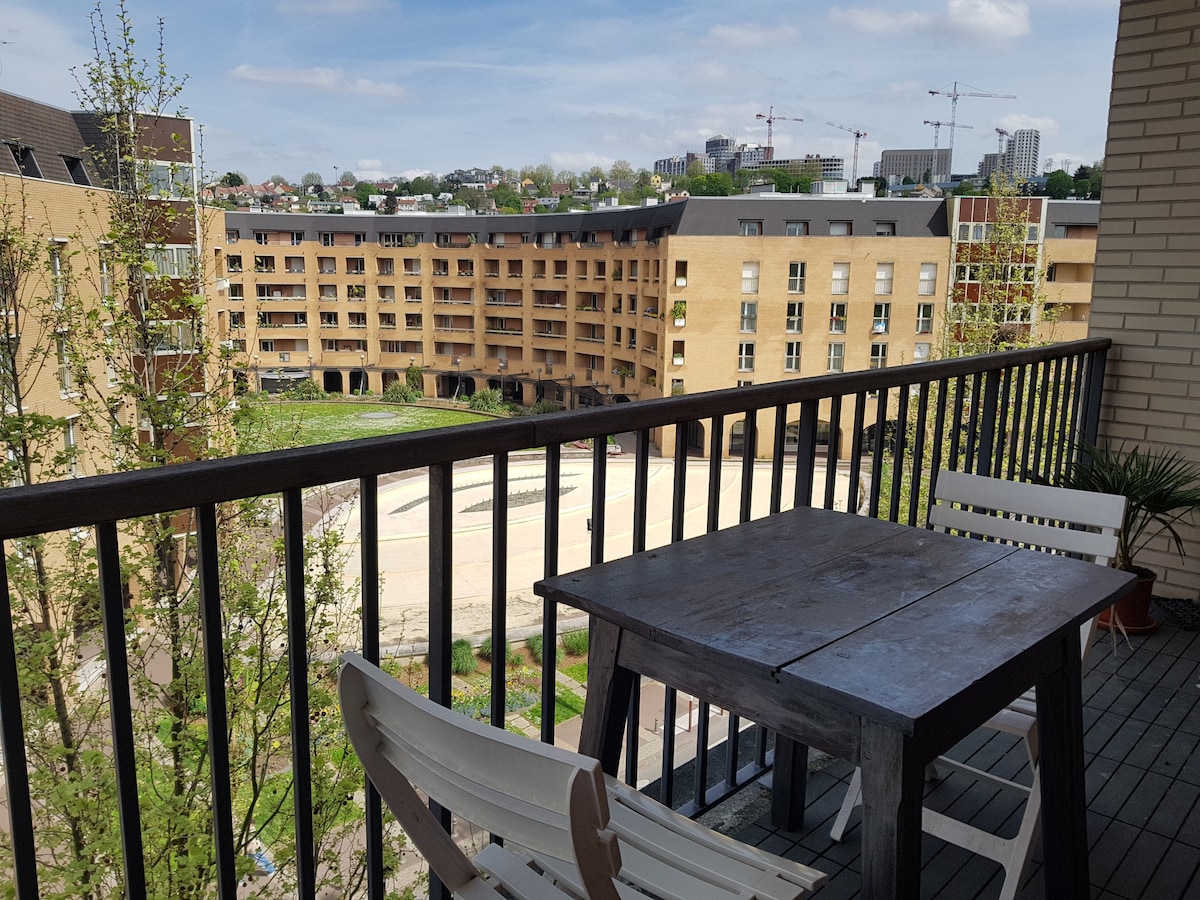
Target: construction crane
x: 858, y: 135
x: 770, y: 118
x: 1001, y: 134
x: 954, y: 94
x: 937, y: 127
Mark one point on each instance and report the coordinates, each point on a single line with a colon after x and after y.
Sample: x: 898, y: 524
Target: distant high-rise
x: 919, y: 165
x: 1022, y: 156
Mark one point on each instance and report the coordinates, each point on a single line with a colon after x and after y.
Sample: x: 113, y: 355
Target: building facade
x: 614, y: 305
x: 919, y: 165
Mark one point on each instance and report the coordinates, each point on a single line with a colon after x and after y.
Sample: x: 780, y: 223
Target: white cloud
x: 331, y: 80
x: 989, y: 18
x: 875, y: 20
x: 1045, y: 124
x: 581, y: 161
x: 332, y: 7
x: 750, y: 36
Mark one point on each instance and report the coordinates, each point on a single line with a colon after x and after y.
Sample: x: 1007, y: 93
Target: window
x: 795, y: 278
x: 920, y: 352
x: 169, y: 179
x: 750, y: 227
x: 837, y: 357
x: 297, y: 238
x: 233, y: 264
x: 267, y: 346
x: 795, y: 317
x: 746, y: 356
x: 964, y: 231
x: 390, y: 346
x: 232, y: 235
x: 924, y: 318
x: 745, y: 382
x: 795, y: 229
x: 356, y: 292
x: 326, y: 238
x: 791, y: 356
x: 294, y: 264
x: 841, y: 229
x: 179, y: 260
x: 174, y: 336
x: 1031, y: 234
x: 885, y: 229
x: 358, y: 320
x: 56, y: 274
x: 264, y: 264
x: 360, y: 238
x: 749, y: 317
x: 76, y: 169
x: 355, y: 265
x: 26, y: 161
x: 749, y: 278
x: 236, y: 292
x: 260, y: 237
x: 841, y: 278
x: 329, y: 320
x: 881, y: 318
x: 65, y: 382
x: 837, y: 318
x: 879, y: 356
x: 237, y: 319
x: 928, y: 280
x: 326, y: 265
x: 883, y: 278
x: 69, y: 447
x: 386, y: 266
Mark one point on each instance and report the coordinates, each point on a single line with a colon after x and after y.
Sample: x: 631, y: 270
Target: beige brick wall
x: 1146, y: 294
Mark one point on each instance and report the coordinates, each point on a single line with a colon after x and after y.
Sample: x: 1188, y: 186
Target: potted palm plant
x: 1162, y: 487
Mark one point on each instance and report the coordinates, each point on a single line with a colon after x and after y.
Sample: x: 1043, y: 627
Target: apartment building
x: 618, y: 305
x: 59, y: 267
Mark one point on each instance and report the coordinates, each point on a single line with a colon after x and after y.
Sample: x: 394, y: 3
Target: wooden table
x: 878, y: 643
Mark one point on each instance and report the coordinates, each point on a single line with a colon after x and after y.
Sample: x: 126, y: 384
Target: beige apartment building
x: 624, y: 304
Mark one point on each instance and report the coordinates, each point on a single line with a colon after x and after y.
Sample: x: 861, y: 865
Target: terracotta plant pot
x: 1133, y: 610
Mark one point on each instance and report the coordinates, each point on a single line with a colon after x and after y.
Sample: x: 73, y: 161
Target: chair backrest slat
x: 554, y: 800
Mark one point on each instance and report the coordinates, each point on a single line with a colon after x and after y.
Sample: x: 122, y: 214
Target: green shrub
x: 306, y: 390
x: 576, y: 642
x: 487, y: 400
x: 400, y: 392
x: 534, y: 643
x: 511, y: 656
x: 462, y: 658
x: 415, y: 378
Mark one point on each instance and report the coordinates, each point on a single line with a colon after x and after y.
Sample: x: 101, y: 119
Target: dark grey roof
x: 50, y: 133
x: 696, y: 216
x: 1073, y: 212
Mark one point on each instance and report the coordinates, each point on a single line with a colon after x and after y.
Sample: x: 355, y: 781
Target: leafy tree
x: 423, y: 184
x: 279, y: 179
x: 134, y: 357
x: 312, y: 180
x: 1059, y: 185
x: 233, y: 179
x: 388, y: 207
x: 362, y: 193
x: 907, y: 179
x: 347, y: 178
x: 567, y: 177
x: 620, y: 171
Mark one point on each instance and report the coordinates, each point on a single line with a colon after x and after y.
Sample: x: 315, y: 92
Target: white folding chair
x: 568, y: 830
x: 1032, y: 515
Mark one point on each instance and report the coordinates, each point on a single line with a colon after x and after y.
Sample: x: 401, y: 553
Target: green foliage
x: 487, y: 400
x: 1059, y: 185
x: 306, y: 390
x: 401, y: 392
x: 462, y: 658
x: 511, y: 656
x: 233, y: 179
x: 415, y: 377
x: 575, y: 643
x: 567, y: 705
x: 534, y: 643
x: 1162, y: 487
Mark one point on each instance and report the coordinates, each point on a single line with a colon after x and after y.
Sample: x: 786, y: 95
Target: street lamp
x: 538, y: 396
x: 310, y: 367
x: 257, y: 377
x: 362, y: 368
x: 503, y: 367
x: 457, y: 375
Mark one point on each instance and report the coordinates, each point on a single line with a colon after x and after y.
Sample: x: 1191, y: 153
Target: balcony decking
x: 1142, y: 748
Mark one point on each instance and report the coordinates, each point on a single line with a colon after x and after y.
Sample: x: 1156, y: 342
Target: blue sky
x: 396, y: 87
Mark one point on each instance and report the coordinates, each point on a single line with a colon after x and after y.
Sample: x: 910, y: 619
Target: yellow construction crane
x: 954, y: 93
x: 858, y: 135
x: 770, y: 118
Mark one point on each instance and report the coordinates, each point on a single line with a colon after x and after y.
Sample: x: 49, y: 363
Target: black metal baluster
x: 368, y: 518
x: 297, y: 629
x: 16, y: 766
x: 211, y: 635
x: 112, y: 602
x: 500, y: 592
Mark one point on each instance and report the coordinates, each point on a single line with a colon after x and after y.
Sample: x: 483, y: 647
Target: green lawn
x: 274, y: 424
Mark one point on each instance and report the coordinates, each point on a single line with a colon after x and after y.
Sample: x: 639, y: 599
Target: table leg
x: 1064, y: 801
x: 892, y: 788
x: 789, y: 784
x: 608, y: 695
